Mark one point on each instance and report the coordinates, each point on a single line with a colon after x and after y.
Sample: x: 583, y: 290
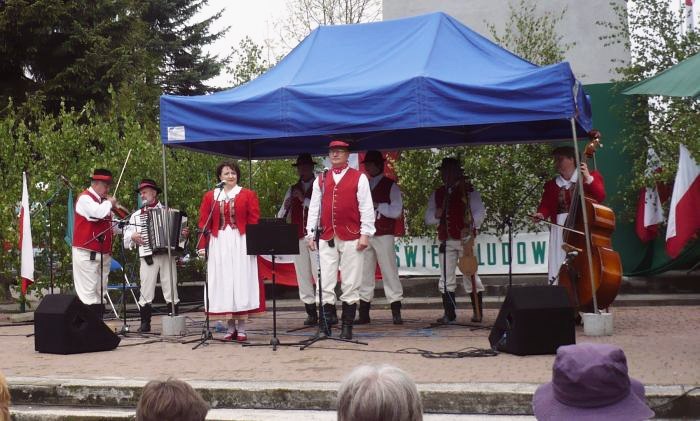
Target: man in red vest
x: 296, y: 208
x: 556, y: 200
x: 342, y: 199
x: 92, y: 240
x: 458, y: 211
x: 388, y: 205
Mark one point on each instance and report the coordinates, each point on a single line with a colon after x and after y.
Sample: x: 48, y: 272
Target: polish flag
x: 649, y: 210
x: 684, y: 214
x: 25, y: 239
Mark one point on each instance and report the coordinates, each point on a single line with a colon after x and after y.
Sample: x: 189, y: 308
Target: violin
x: 592, y: 280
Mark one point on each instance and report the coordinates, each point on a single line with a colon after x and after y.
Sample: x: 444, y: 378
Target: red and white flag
x: 649, y: 210
x: 684, y: 214
x: 25, y: 239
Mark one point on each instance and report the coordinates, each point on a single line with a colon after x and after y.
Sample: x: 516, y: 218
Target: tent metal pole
x: 250, y: 165
x: 167, y: 235
x: 584, y: 211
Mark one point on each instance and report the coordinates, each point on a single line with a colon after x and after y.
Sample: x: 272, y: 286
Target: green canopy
x: 683, y: 79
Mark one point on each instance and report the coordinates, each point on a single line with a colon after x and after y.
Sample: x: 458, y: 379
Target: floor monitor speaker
x: 64, y: 325
x: 534, y: 320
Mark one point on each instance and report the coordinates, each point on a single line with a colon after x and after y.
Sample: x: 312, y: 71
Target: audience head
x: 4, y: 399
x: 379, y: 393
x: 590, y: 382
x: 172, y: 400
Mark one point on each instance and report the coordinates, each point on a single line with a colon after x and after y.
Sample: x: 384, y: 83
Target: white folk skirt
x: 232, y: 276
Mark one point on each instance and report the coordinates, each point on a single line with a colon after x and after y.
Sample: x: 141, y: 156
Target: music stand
x: 272, y: 236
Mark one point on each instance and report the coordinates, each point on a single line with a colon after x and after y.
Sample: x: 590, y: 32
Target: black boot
x: 448, y: 303
x: 324, y: 323
x: 478, y: 312
x: 363, y: 316
x: 145, y: 312
x: 311, y: 311
x: 331, y: 314
x: 396, y: 312
x: 347, y: 317
x: 170, y: 309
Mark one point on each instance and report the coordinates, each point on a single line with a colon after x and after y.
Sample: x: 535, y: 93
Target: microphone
x: 220, y: 184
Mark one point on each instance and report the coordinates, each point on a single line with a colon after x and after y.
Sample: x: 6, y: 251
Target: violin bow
x: 121, y: 173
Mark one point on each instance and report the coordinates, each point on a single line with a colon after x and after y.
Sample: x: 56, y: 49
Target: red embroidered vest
x: 456, y: 209
x: 340, y: 210
x: 381, y: 193
x: 297, y: 212
x: 85, y: 231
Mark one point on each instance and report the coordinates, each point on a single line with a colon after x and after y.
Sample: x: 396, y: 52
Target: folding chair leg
x: 138, y: 307
x: 116, y: 315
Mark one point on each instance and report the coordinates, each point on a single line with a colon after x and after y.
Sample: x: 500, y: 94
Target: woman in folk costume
x: 234, y: 288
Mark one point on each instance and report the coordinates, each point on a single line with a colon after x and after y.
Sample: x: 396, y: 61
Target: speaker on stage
x: 64, y: 325
x: 534, y: 320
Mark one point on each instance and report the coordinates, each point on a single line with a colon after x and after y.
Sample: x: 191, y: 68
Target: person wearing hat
x: 590, y: 382
x: 458, y: 211
x: 296, y: 207
x: 150, y: 267
x: 388, y: 206
x: 556, y: 201
x: 341, y: 206
x: 92, y: 240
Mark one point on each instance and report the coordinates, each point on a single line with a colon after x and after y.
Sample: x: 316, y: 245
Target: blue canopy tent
x: 424, y: 81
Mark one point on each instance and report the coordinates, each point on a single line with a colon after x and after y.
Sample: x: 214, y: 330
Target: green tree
x: 655, y: 36
x: 497, y: 171
x: 247, y: 62
x: 176, y: 41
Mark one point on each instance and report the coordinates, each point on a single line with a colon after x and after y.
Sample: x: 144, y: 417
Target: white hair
x: 379, y: 393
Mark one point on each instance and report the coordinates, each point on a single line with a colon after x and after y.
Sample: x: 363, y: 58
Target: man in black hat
x: 296, y: 208
x: 151, y: 264
x: 388, y: 206
x: 458, y: 211
x: 92, y: 240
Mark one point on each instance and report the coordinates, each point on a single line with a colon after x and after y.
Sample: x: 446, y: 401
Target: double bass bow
x: 592, y: 278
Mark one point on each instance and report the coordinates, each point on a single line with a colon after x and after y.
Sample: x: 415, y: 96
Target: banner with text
x: 419, y: 256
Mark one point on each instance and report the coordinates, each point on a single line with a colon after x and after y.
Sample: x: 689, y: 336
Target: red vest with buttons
x: 455, y: 212
x: 85, y: 231
x: 340, y: 210
x: 298, y: 214
x: 381, y: 193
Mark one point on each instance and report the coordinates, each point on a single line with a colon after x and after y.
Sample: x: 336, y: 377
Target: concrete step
x: 438, y: 398
x: 63, y: 413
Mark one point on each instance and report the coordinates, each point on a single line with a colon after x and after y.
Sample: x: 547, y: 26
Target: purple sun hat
x: 590, y: 382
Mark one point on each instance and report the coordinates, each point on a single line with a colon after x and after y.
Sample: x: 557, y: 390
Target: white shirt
x: 364, y: 198
x: 90, y: 209
x: 395, y: 206
x: 306, y: 185
x: 475, y: 203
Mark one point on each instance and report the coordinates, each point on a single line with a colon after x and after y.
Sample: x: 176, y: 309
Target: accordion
x: 155, y: 223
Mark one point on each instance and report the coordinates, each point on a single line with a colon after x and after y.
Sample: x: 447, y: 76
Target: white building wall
x: 589, y: 59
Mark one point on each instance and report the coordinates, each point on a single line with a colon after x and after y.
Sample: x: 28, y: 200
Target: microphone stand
x: 48, y: 204
x: 206, y: 330
x: 324, y: 330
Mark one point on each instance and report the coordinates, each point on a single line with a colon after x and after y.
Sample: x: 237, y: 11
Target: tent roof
x: 425, y: 81
x: 682, y: 79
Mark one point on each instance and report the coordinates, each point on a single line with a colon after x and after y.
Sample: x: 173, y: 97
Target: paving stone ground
x: 661, y: 343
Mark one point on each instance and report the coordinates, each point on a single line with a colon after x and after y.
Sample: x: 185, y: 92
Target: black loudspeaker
x: 534, y: 320
x: 64, y: 325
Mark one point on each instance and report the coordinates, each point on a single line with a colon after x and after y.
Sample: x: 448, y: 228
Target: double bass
x: 591, y: 280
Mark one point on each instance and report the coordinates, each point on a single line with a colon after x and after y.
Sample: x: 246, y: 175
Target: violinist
x: 556, y: 200
x: 153, y: 265
x: 92, y: 240
x: 296, y: 207
x: 456, y: 207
